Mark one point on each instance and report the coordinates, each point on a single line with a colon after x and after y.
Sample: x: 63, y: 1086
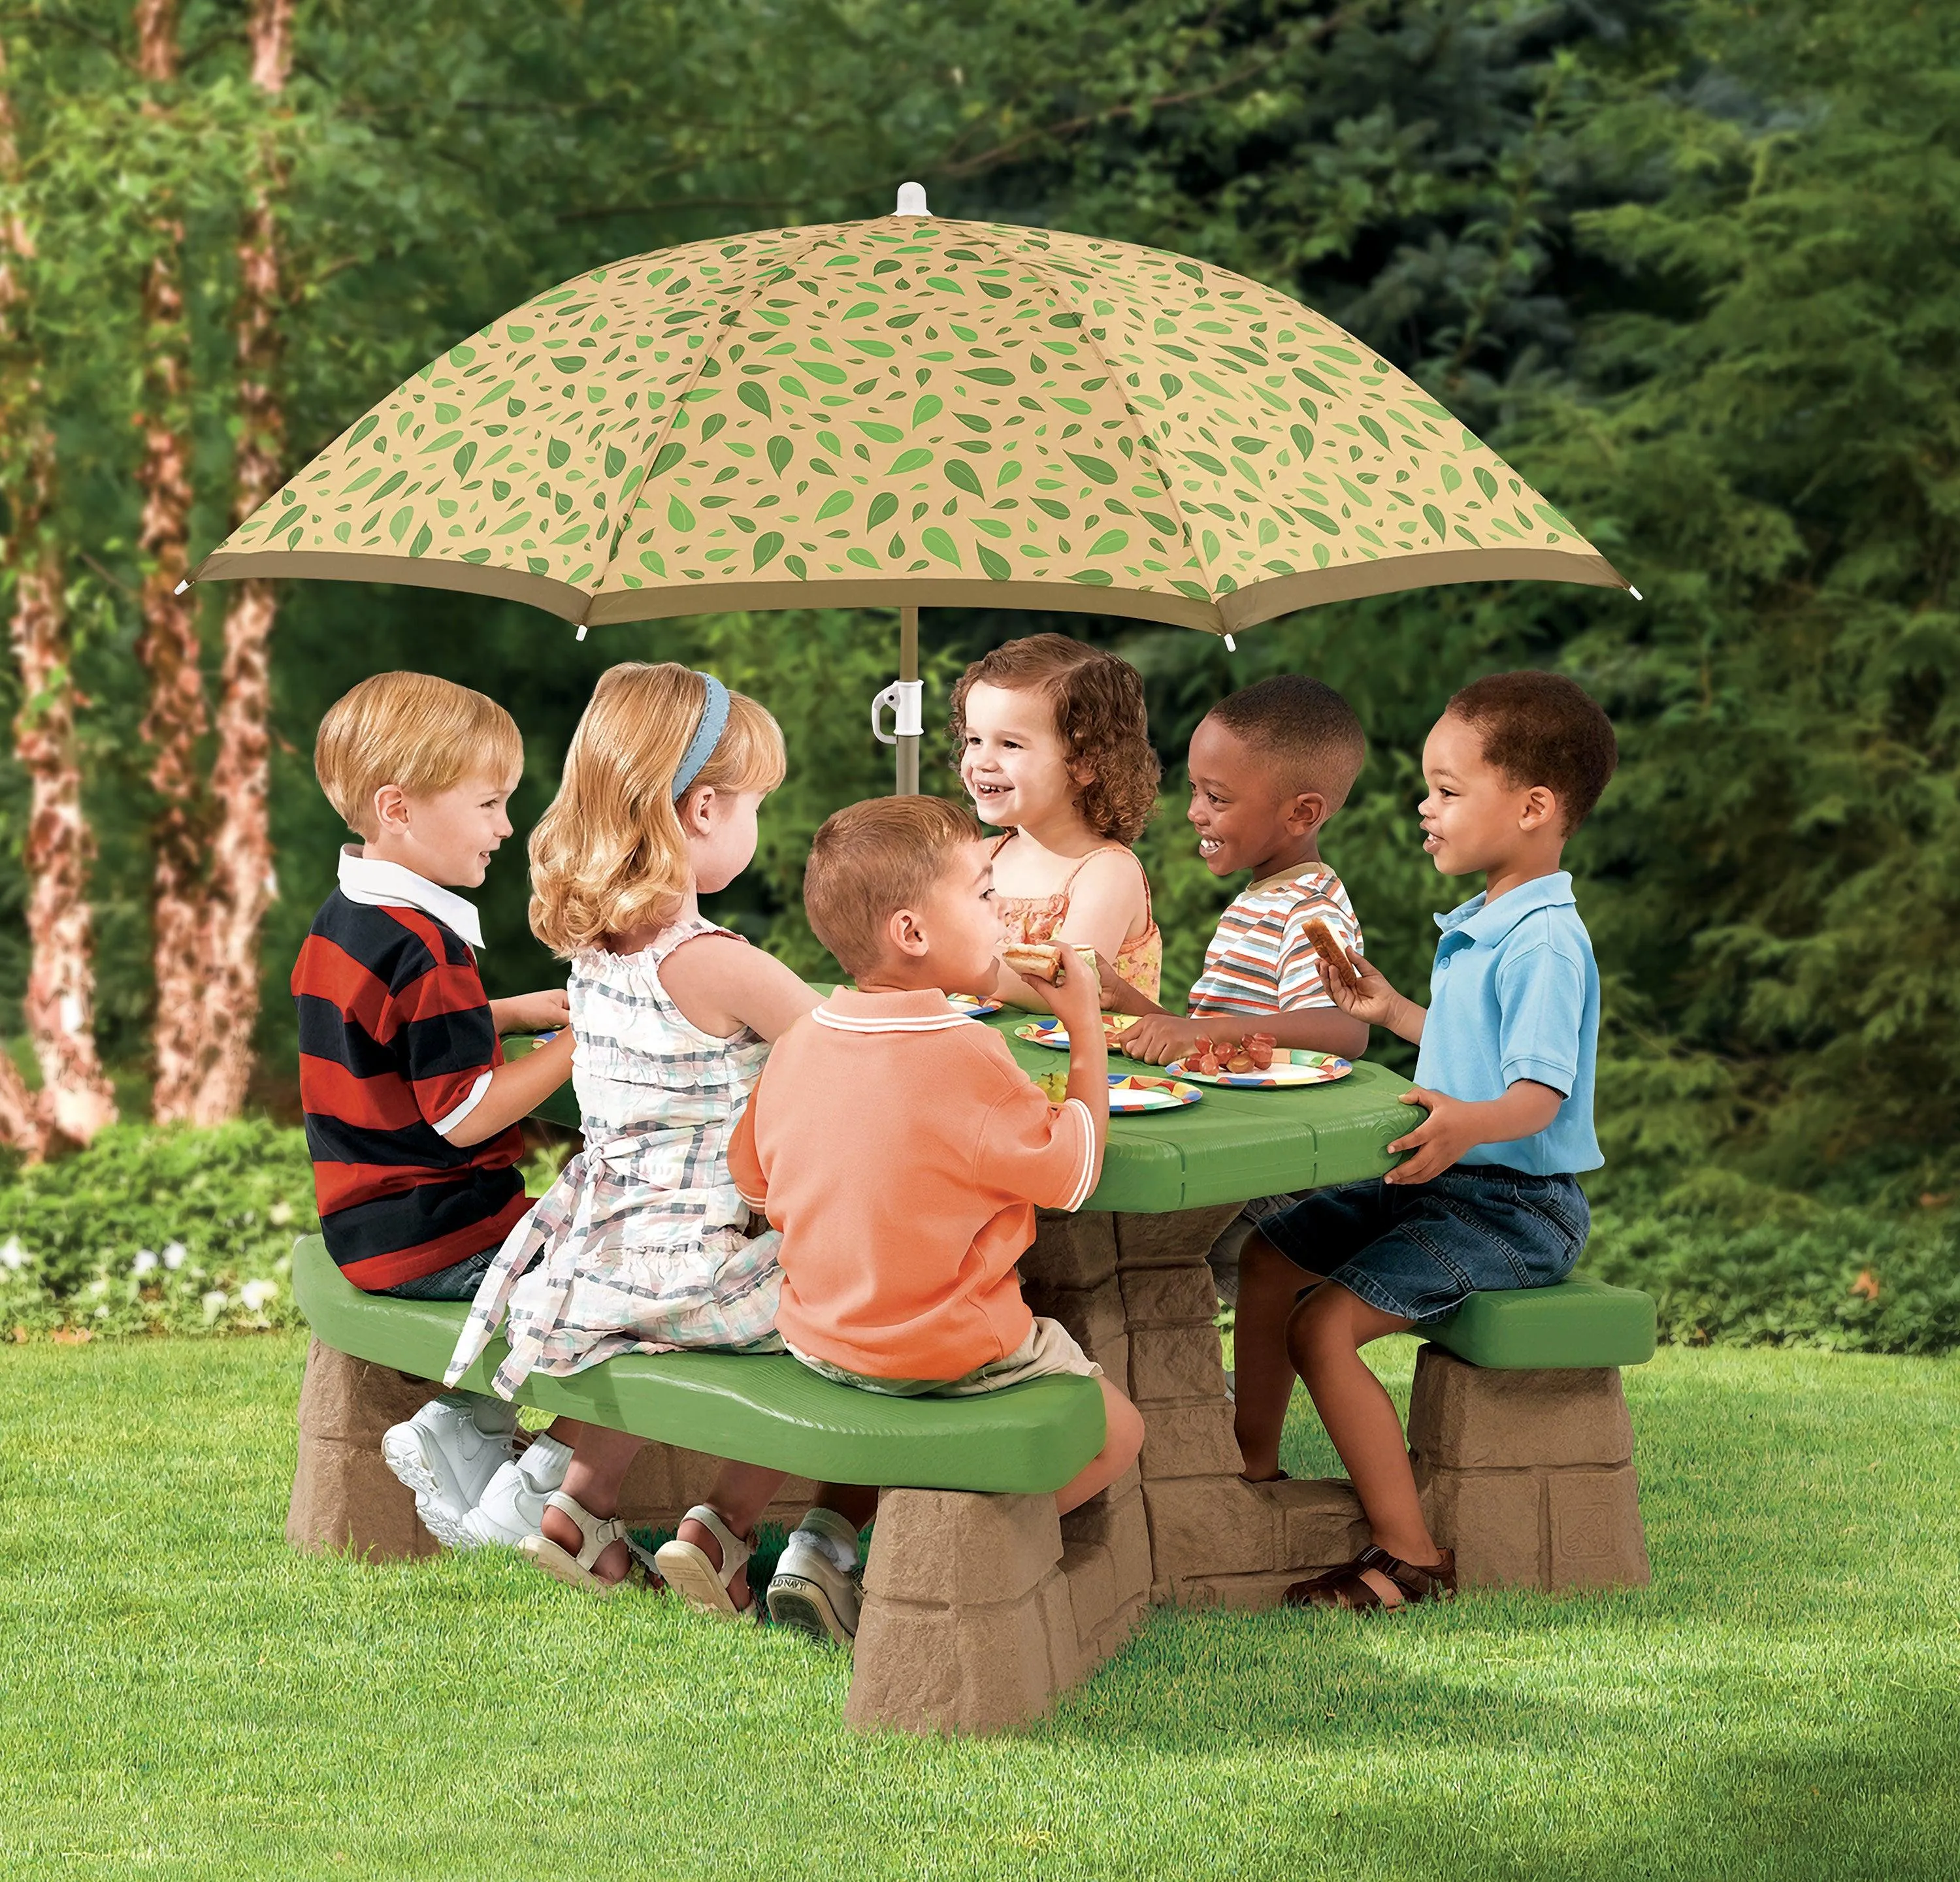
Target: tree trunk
x: 176, y: 718
x: 76, y: 1099
x: 240, y: 881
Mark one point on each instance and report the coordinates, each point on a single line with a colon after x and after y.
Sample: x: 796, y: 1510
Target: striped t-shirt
x: 396, y: 1048
x: 1260, y: 960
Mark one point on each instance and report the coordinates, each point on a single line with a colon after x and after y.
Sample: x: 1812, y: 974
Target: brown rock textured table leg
x: 1528, y: 1475
x: 1138, y: 1293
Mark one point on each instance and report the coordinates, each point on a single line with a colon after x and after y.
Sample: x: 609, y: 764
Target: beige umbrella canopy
x: 910, y: 411
x: 906, y: 412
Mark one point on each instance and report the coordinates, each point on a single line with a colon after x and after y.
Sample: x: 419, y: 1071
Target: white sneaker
x: 448, y: 1454
x: 512, y: 1505
x: 809, y: 1591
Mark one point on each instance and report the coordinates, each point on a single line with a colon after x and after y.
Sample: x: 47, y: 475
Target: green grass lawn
x: 180, y: 1695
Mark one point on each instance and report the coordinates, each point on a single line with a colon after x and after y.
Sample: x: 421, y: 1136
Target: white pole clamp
x: 906, y: 698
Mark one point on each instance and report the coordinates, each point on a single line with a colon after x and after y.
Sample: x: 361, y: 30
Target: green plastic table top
x: 764, y: 1409
x: 1580, y: 1322
x: 1229, y: 1147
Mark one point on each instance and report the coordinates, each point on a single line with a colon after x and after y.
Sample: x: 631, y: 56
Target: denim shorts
x: 456, y: 1282
x: 1417, y: 1250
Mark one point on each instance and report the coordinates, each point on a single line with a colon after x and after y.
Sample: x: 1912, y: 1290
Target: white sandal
x: 690, y: 1571
x: 575, y: 1570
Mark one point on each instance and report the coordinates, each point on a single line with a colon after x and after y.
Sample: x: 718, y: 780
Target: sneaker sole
x: 796, y: 1602
x: 476, y: 1532
x: 403, y: 1455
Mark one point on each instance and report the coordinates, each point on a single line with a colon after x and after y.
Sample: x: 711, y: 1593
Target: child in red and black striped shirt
x: 410, y: 1112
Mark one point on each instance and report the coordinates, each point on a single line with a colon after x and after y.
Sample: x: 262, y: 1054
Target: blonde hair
x: 414, y: 731
x: 869, y: 861
x: 608, y: 854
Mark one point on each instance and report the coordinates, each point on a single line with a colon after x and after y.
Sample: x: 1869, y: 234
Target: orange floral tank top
x: 1034, y: 919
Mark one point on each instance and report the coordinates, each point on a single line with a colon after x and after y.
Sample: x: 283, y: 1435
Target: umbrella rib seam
x: 1136, y: 420
x: 811, y: 240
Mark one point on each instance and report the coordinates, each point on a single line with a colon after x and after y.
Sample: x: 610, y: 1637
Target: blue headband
x: 706, y: 736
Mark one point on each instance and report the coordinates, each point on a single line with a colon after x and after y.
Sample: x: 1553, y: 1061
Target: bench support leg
x: 345, y: 1496
x: 1528, y: 1476
x: 980, y: 1609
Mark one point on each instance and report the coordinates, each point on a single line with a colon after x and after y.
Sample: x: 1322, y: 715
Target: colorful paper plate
x: 1131, y: 1092
x: 971, y: 1005
x: 1288, y: 1070
x: 1053, y: 1033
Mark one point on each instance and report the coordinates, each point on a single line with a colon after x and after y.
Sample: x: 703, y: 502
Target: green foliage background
x: 1691, y: 266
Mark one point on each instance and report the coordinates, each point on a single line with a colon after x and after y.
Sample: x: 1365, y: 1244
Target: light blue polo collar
x: 1486, y: 923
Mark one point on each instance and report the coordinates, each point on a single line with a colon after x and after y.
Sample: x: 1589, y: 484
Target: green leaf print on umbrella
x: 1076, y: 423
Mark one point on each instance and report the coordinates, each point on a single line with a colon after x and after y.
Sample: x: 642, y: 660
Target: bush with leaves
x: 157, y: 1231
x: 1729, y: 1262
x: 177, y: 1231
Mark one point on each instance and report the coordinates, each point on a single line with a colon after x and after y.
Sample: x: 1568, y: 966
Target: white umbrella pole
x: 910, y: 715
x: 907, y: 702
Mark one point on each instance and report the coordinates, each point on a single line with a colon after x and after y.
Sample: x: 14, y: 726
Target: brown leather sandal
x: 1377, y: 1579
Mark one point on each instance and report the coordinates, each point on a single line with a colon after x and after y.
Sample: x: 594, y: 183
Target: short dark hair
x: 1306, y: 726
x: 1099, y: 713
x: 1543, y: 728
x: 871, y: 858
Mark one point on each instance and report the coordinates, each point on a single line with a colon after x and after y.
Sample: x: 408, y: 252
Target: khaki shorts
x: 1049, y: 1349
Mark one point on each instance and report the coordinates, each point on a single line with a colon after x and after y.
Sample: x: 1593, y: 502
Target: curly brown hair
x: 1543, y: 728
x: 1099, y: 715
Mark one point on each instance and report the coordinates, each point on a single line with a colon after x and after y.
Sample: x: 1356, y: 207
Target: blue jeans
x: 1418, y: 1250
x: 456, y: 1282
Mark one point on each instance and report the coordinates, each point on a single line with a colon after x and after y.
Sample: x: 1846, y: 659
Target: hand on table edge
x: 1454, y: 1125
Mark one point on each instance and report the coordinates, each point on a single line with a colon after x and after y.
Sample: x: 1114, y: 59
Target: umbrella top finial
x: 911, y: 200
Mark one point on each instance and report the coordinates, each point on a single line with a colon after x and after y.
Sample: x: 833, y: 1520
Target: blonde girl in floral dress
x: 642, y: 1245
x: 1054, y: 747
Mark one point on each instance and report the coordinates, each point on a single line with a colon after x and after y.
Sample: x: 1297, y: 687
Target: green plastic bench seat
x: 766, y: 1408
x: 1579, y: 1322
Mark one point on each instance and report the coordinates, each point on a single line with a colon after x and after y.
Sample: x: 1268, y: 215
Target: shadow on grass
x: 1443, y: 1737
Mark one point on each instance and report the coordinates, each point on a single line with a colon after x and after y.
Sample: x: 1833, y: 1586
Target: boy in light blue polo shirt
x: 1486, y: 1196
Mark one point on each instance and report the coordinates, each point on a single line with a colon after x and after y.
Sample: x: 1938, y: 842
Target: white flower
x: 145, y: 1262
x: 255, y: 1294
x: 174, y: 1254
x: 100, y: 1285
x: 13, y: 1256
x: 101, y: 1313
x: 214, y: 1304
x: 280, y: 1213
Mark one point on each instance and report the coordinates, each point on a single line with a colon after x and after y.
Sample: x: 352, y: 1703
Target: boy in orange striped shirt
x: 1269, y: 766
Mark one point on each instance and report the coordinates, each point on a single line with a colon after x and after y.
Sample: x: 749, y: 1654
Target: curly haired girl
x: 1054, y: 748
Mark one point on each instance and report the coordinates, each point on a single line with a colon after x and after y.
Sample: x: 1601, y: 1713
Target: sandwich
x: 1333, y: 957
x: 1045, y: 961
x: 1035, y: 960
